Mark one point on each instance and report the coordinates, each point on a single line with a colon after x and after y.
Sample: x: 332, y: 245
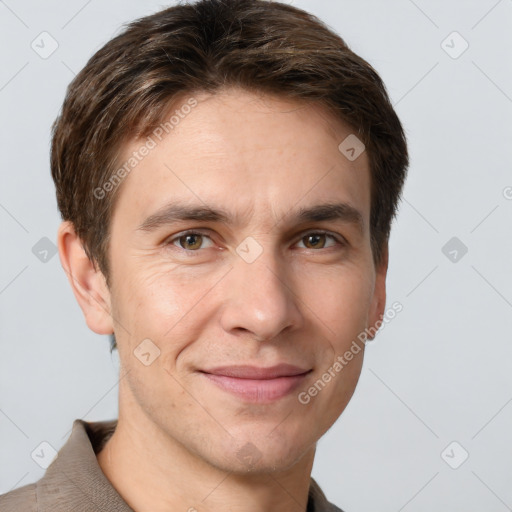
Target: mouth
x: 257, y: 385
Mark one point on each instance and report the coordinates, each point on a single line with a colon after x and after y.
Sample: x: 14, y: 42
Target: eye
x: 193, y: 241
x: 317, y: 240
x: 190, y: 241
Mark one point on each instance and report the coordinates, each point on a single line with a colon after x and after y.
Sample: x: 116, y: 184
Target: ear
x: 378, y: 304
x: 88, y: 285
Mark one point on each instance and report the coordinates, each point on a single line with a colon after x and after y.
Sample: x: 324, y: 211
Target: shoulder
x: 23, y: 499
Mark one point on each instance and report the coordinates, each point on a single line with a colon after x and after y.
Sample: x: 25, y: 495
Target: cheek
x: 162, y: 302
x: 340, y: 300
x: 342, y: 308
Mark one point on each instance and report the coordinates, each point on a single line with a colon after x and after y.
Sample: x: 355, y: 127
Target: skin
x: 302, y: 301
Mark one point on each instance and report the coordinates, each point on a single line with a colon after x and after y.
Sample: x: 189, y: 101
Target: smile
x: 264, y: 389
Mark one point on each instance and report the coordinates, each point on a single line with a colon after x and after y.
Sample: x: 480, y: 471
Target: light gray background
x: 438, y: 373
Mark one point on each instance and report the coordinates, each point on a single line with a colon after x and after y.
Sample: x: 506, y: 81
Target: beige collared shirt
x: 74, y: 481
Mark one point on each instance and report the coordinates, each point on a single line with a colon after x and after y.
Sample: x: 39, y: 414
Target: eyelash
x: 341, y: 242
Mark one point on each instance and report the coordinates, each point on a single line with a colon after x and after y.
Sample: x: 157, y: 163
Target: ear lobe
x: 379, y: 295
x: 88, y: 284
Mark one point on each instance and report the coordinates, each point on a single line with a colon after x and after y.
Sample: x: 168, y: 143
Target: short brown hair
x: 126, y: 88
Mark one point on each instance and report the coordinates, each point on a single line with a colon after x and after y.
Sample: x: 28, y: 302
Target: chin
x: 262, y: 454
x: 264, y: 465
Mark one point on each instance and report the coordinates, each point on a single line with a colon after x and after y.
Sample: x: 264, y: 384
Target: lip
x: 255, y: 372
x: 257, y: 385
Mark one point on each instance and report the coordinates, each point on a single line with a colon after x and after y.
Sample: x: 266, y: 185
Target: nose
x: 260, y: 299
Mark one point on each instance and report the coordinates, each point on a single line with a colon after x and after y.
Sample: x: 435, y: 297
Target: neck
x: 154, y: 472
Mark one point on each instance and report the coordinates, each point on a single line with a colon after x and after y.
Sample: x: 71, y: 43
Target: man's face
x: 262, y: 287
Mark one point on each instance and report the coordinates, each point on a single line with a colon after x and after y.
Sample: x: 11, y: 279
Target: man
x: 227, y: 172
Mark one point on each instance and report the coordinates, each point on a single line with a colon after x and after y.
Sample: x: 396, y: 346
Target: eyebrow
x: 175, y: 212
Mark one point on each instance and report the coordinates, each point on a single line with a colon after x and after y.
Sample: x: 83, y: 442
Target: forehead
x: 245, y: 151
